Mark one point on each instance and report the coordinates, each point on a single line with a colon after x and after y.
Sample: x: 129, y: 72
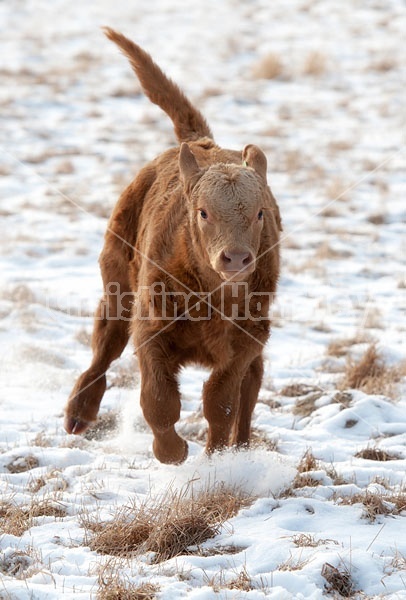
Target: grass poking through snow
x: 168, y: 526
x: 371, y: 375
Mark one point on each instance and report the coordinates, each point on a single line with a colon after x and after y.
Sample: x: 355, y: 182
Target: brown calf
x: 189, y: 267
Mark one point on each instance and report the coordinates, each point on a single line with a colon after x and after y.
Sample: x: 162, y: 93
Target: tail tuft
x: 189, y: 123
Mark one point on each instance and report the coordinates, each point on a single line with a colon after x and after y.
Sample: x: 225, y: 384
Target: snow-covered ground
x: 74, y: 130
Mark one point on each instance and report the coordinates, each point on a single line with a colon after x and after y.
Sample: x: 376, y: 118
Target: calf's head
x: 227, y: 206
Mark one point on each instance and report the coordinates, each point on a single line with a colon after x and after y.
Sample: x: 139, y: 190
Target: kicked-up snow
x: 319, y: 86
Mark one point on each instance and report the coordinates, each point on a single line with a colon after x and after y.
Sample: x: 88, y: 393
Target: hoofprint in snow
x: 317, y: 85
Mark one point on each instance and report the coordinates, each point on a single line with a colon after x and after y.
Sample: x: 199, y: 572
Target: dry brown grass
x: 376, y: 504
x: 217, y: 550
x: 113, y: 585
x: 398, y: 563
x: 377, y: 219
x: 269, y: 67
x: 336, y: 190
x: 260, y: 439
x: 293, y: 564
x: 293, y: 161
x: 342, y: 398
x: 321, y: 327
x: 371, y: 375
x: 341, y: 347
x: 385, y: 63
x: 376, y: 454
x: 41, y: 440
x: 372, y: 318
x: 83, y: 336
x: 308, y: 541
x: 53, y: 477
x: 242, y: 582
x: 303, y: 478
x: 20, y: 564
x: 305, y: 406
x: 167, y: 526
x: 16, y: 520
x: 340, y: 146
x: 307, y: 463
x: 298, y: 389
x: 315, y: 64
x: 20, y: 464
x: 339, y: 580
x: 326, y: 252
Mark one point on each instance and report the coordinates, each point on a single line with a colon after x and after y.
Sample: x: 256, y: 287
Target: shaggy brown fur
x: 196, y: 220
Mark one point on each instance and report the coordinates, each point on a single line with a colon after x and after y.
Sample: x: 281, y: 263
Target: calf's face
x: 227, y: 210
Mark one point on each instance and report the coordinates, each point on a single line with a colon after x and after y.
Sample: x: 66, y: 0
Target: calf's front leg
x: 221, y: 394
x: 229, y: 397
x: 250, y: 387
x: 160, y: 399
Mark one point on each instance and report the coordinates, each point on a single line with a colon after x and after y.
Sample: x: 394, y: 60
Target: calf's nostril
x: 236, y: 261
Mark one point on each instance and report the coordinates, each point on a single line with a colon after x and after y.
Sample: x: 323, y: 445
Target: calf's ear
x: 189, y: 169
x: 252, y: 156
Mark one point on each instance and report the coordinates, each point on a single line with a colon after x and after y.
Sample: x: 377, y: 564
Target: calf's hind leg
x: 110, y: 337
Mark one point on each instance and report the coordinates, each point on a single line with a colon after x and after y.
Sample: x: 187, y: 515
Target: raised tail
x: 189, y: 123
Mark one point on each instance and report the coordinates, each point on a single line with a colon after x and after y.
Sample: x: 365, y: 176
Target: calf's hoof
x: 173, y: 453
x: 83, y: 404
x: 75, y: 426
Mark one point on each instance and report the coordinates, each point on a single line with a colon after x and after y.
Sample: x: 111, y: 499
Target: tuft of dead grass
x: 342, y: 398
x: 304, y: 478
x: 376, y: 504
x: 372, y: 317
x: 377, y: 219
x: 20, y: 464
x: 41, y: 440
x: 114, y: 586
x: 306, y: 540
x: 54, y: 477
x: 307, y: 463
x: 217, y: 550
x: 269, y: 66
x: 16, y: 520
x: 242, y: 582
x: 385, y: 63
x: 260, y: 439
x: 315, y: 64
x: 293, y: 564
x: 378, y: 454
x: 305, y: 406
x: 20, y: 564
x: 336, y: 190
x: 83, y: 336
x: 338, y: 580
x: 370, y: 374
x: 168, y: 526
x: 398, y: 563
x: 298, y: 389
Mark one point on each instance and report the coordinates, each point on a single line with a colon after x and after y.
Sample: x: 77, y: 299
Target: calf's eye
x: 203, y: 214
x: 260, y: 215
